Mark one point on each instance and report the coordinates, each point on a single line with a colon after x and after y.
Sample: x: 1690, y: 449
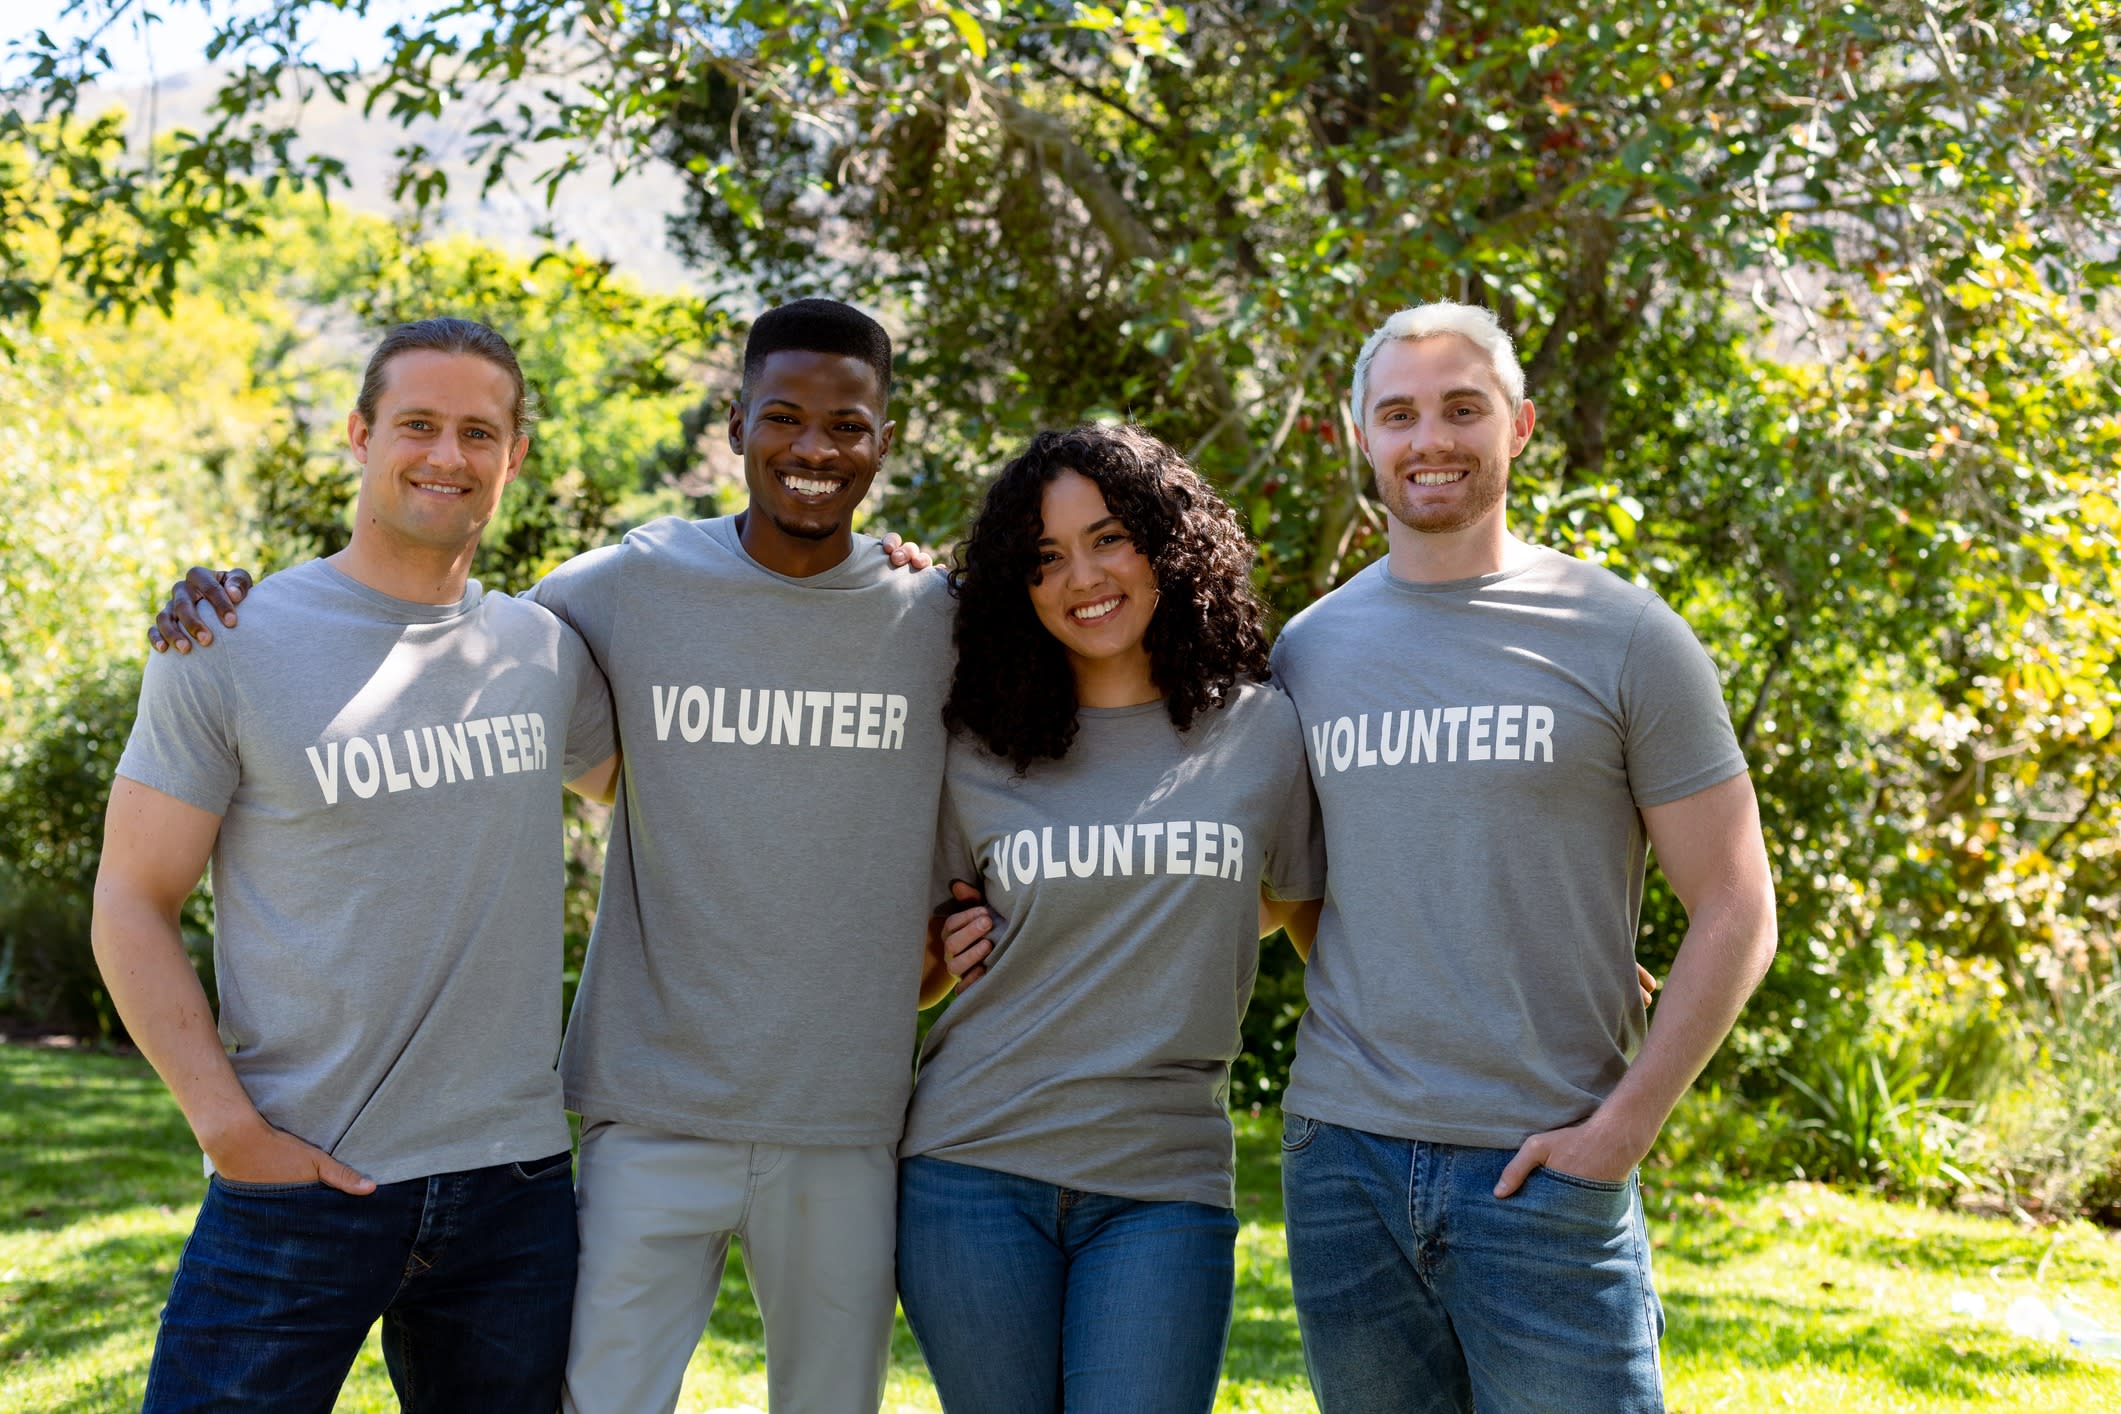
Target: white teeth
x: 1436, y: 478
x: 1092, y: 612
x: 441, y: 490
x: 804, y: 486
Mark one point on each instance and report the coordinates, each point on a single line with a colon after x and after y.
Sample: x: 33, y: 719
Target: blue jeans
x: 1032, y: 1299
x: 471, y: 1273
x: 1417, y: 1289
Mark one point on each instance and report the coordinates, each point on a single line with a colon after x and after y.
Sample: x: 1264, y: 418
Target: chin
x: 805, y: 530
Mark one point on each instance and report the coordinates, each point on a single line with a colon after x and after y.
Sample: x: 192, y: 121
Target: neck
x: 418, y: 574
x: 788, y: 554
x: 1423, y: 557
x: 1114, y: 682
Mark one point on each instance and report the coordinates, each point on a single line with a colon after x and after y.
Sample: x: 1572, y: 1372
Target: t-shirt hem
x: 458, y: 1160
x: 1224, y: 1197
x: 1699, y: 781
x: 210, y: 801
x: 1403, y: 1127
x: 707, y: 1126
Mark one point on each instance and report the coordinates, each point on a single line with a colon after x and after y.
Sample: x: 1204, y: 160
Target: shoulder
x: 1334, y: 606
x: 1256, y: 716
x: 1580, y: 578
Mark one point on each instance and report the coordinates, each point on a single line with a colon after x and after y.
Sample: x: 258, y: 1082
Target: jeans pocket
x: 1595, y: 1185
x: 234, y: 1185
x: 1296, y: 1132
x: 538, y: 1170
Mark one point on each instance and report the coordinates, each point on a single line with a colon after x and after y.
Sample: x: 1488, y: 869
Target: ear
x: 516, y: 453
x: 736, y: 427
x: 1521, y: 428
x: 357, y: 436
x: 883, y: 440
x: 1361, y: 435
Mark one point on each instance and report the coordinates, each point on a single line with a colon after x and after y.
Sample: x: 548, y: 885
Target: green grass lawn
x: 1780, y: 1297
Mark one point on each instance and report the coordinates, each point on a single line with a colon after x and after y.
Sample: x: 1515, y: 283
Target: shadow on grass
x: 1768, y: 1333
x: 87, y: 1134
x: 112, y: 1289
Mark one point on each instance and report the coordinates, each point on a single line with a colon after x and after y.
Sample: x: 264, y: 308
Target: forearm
x: 158, y: 996
x: 1724, y: 955
x: 1299, y: 919
x: 936, y: 979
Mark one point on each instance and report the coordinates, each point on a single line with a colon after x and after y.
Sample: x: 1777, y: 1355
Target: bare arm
x: 600, y: 782
x: 1710, y: 849
x: 155, y: 847
x: 1299, y: 917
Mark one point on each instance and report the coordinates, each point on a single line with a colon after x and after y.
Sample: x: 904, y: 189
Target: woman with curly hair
x: 1131, y: 798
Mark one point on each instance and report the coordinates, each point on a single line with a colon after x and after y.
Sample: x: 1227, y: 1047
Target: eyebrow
x: 836, y: 412
x: 1393, y: 400
x: 433, y: 414
x: 1088, y: 529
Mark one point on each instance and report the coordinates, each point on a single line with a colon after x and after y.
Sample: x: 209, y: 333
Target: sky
x: 176, y: 41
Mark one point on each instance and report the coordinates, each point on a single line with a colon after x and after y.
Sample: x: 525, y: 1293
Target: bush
x: 53, y: 786
x: 2053, y: 1144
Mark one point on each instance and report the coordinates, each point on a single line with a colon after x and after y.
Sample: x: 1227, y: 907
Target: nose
x: 1433, y: 434
x: 814, y: 445
x: 447, y: 453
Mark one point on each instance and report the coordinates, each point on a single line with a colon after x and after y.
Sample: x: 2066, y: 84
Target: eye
x: 1047, y: 557
x: 1114, y: 537
x: 855, y: 429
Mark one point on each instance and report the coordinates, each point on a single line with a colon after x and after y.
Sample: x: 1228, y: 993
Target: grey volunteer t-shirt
x: 1480, y: 749
x: 752, y: 975
x: 388, y: 874
x: 1095, y: 1054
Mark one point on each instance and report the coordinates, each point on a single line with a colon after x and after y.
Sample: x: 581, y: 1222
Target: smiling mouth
x: 808, y: 488
x: 441, y: 488
x: 1102, y: 609
x: 1438, y: 476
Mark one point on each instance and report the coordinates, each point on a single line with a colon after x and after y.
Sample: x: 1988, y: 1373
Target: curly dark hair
x: 1013, y: 688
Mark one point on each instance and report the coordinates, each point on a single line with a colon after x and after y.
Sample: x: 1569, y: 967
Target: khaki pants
x: 657, y: 1211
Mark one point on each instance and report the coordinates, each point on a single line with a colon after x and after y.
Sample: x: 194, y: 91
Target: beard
x: 1473, y: 499
x: 795, y: 530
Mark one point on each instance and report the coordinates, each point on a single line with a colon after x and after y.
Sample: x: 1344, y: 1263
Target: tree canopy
x: 1817, y: 302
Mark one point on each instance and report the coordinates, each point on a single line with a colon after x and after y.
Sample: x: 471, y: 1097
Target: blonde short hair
x: 1468, y: 321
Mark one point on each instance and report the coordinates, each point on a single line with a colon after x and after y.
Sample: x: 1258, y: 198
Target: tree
x: 1810, y: 297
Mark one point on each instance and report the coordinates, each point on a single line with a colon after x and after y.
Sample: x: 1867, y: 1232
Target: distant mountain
x: 623, y: 223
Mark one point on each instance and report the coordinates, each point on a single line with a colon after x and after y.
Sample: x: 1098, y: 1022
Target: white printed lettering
x: 423, y: 776
x: 1538, y: 731
x: 1506, y: 718
x: 750, y: 732
x: 1119, y: 849
x: 361, y: 770
x: 719, y: 730
x: 456, y: 754
x: 1206, y: 836
x: 1477, y: 724
x: 867, y: 719
x: 1233, y: 852
x: 692, y: 713
x: 327, y: 769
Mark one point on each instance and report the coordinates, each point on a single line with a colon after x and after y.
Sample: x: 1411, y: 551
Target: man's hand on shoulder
x: 905, y: 554
x: 179, y: 624
x: 258, y: 1153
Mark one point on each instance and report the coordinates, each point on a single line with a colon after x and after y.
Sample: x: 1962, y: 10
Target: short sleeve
x: 592, y: 730
x: 1676, y: 726
x: 954, y: 858
x: 1295, y: 866
x: 577, y: 593
x: 182, y: 741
